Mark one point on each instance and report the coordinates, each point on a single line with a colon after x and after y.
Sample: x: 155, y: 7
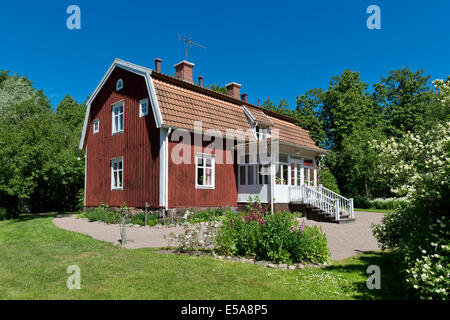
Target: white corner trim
x: 164, y: 167
x: 85, y: 176
x: 142, y: 71
x: 249, y: 114
x: 154, y: 101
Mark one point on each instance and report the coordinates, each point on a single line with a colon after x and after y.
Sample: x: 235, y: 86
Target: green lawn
x: 374, y: 210
x: 35, y: 254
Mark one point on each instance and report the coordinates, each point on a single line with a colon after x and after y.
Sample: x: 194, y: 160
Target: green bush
x: 206, y: 215
x: 139, y: 219
x: 327, y: 179
x: 104, y: 214
x: 3, y: 214
x: 274, y: 237
x: 387, y: 203
x: 361, y: 202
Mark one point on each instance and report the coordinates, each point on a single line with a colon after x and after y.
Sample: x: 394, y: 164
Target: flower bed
x: 257, y: 234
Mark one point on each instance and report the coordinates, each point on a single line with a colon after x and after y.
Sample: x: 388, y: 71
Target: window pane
x: 200, y: 162
x: 208, y: 162
x: 208, y: 181
x: 200, y: 177
x: 115, y: 179
x: 285, y: 174
x: 242, y: 174
x: 120, y: 165
x: 278, y: 174
x: 121, y: 122
x: 120, y: 179
x: 250, y: 174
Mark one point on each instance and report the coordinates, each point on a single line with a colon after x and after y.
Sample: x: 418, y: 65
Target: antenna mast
x: 188, y: 43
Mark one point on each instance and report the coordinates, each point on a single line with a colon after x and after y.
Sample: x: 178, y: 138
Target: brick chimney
x: 234, y: 90
x: 184, y: 71
x: 244, y: 97
x: 158, y: 65
x: 200, y: 81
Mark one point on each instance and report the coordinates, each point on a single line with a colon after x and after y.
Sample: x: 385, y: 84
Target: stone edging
x: 269, y: 264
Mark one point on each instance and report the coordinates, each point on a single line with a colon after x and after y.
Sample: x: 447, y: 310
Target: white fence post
x: 336, y: 209
x: 352, y: 213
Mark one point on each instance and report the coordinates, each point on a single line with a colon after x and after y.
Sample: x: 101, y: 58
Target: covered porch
x: 290, y: 177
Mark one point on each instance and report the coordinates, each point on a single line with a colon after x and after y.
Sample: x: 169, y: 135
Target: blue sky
x: 275, y: 49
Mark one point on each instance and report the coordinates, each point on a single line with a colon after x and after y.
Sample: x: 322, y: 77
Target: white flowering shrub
x: 418, y: 168
x: 198, y: 236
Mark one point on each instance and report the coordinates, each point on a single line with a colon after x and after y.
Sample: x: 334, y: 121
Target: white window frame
x: 262, y: 133
x: 96, y: 123
x: 213, y: 170
x: 141, y: 113
x: 113, y: 182
x: 119, y: 84
x: 113, y: 126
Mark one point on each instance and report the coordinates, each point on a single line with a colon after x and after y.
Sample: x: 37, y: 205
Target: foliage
x: 40, y: 162
x: 327, y: 179
x: 387, y: 203
x: 307, y: 113
x: 195, y: 236
x: 3, y: 214
x: 419, y: 170
x: 404, y: 97
x: 274, y: 237
x: 218, y: 88
x: 139, y: 219
x: 103, y: 213
x: 205, y: 215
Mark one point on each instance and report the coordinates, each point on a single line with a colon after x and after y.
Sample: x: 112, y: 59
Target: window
x: 143, y: 107
x: 250, y: 174
x: 282, y: 174
x: 117, y: 174
x: 96, y: 126
x: 242, y: 177
x: 263, y: 174
x: 117, y: 118
x: 262, y: 133
x: 204, y: 166
x: 119, y: 84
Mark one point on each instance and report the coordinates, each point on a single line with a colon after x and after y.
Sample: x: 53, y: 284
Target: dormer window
x: 262, y: 133
x: 119, y: 84
x: 143, y: 107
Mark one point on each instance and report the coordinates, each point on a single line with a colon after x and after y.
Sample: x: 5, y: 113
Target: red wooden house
x: 147, y: 138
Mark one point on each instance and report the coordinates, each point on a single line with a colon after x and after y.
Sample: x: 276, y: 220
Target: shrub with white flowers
x: 418, y: 168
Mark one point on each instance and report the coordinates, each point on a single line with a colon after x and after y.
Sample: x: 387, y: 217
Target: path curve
x: 344, y: 240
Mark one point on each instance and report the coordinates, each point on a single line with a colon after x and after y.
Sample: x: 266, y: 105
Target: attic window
x: 262, y: 133
x: 119, y: 84
x: 143, y: 107
x: 96, y: 126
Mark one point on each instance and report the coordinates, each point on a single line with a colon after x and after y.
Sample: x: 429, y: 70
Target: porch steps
x: 313, y: 213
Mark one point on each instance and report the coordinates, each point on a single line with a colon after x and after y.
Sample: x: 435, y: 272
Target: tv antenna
x: 188, y: 43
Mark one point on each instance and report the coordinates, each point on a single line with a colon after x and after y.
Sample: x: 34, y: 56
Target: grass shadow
x: 391, y: 281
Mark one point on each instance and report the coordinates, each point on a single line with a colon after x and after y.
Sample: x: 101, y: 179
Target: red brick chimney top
x: 234, y: 90
x: 185, y: 71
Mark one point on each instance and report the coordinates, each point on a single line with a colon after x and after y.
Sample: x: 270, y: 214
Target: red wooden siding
x: 138, y: 144
x: 182, y: 191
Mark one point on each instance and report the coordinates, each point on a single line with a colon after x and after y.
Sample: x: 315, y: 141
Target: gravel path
x: 137, y: 237
x: 344, y: 240
x: 348, y: 239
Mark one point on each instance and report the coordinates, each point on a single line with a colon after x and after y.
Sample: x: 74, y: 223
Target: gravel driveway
x: 344, y: 240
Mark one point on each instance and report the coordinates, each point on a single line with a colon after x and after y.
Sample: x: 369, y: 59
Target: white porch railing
x: 330, y: 202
